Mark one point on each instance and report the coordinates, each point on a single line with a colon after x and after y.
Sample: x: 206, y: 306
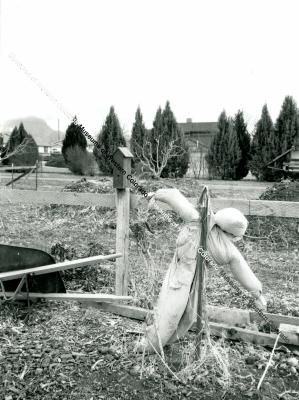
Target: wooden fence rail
x: 286, y: 209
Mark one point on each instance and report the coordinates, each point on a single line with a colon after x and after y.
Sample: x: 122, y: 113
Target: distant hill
x: 42, y: 133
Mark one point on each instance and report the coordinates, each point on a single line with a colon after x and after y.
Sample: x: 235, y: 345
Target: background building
x: 199, y: 136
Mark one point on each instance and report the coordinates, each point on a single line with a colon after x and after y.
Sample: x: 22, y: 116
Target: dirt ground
x: 67, y: 351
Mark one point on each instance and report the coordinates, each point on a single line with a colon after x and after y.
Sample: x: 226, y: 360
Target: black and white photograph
x: 149, y: 200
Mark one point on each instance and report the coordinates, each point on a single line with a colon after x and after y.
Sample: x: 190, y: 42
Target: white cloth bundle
x: 175, y: 311
x: 175, y: 199
x: 232, y: 221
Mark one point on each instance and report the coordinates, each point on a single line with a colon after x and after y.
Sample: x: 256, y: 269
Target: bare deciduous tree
x: 6, y: 153
x: 197, y: 164
x: 154, y: 158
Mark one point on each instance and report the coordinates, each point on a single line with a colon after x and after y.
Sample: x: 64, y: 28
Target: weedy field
x: 67, y: 351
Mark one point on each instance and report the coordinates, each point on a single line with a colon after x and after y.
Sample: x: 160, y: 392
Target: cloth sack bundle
x: 175, y: 311
x: 232, y: 221
x: 229, y: 220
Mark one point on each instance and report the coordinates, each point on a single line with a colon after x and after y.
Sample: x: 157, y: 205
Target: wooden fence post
x: 122, y: 241
x: 203, y: 206
x: 12, y: 175
x: 121, y: 171
x: 36, y: 168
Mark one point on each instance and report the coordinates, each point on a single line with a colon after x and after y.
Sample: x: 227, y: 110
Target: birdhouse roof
x: 124, y: 151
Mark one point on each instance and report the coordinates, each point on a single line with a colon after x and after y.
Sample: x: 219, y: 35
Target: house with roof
x: 199, y: 136
x: 56, y: 147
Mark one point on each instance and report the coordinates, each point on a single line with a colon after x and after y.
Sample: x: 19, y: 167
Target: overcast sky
x: 203, y: 56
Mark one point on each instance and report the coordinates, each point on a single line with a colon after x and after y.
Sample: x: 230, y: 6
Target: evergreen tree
x: 212, y: 157
x: 178, y: 162
x: 285, y: 132
x: 218, y: 151
x: 234, y: 153
x: 109, y: 139
x: 74, y: 136
x: 244, y: 144
x: 224, y: 155
x: 138, y: 136
x: 156, y: 134
x: 262, y: 147
x: 22, y: 147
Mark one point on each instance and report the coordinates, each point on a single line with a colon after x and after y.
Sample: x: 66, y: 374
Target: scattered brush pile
x: 277, y: 232
x: 101, y: 185
x: 285, y: 190
x: 88, y: 278
x: 105, y: 185
x: 274, y: 232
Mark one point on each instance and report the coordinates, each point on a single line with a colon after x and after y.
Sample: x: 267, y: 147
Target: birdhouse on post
x: 121, y: 167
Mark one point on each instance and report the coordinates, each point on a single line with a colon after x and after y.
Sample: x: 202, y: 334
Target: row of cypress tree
x: 143, y: 142
x: 233, y: 152
x: 271, y: 140
x: 228, y: 155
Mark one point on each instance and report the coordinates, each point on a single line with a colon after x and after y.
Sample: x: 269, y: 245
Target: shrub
x: 74, y: 136
x: 80, y: 162
x: 262, y: 147
x: 109, y: 139
x: 56, y: 160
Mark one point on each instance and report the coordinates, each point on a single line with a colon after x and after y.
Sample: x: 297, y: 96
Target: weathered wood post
x: 12, y: 175
x: 203, y: 207
x: 121, y: 170
x: 36, y: 171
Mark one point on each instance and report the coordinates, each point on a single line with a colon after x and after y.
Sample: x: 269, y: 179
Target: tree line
x: 160, y: 151
x: 233, y: 152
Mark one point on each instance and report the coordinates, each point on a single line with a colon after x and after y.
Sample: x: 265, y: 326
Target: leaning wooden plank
x: 82, y: 262
x: 29, y: 174
x: 217, y: 314
x: 234, y: 333
x: 70, y: 296
x: 123, y: 310
x: 275, y: 319
x: 217, y: 329
x: 18, y: 177
x: 291, y: 332
x: 230, y: 316
x: 64, y: 198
